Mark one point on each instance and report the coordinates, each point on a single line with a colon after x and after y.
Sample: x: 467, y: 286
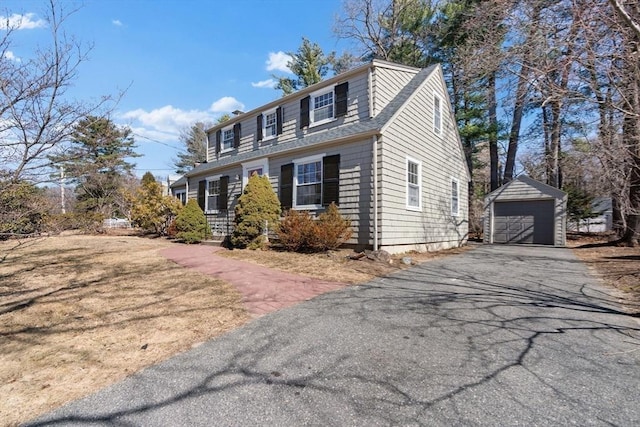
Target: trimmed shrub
x: 257, y: 204
x: 191, y: 224
x: 332, y: 230
x: 296, y: 230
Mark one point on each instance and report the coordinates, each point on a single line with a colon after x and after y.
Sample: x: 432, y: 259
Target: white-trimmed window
x: 437, y: 114
x: 259, y: 167
x: 212, y: 194
x: 414, y: 184
x: 321, y: 108
x: 307, y: 181
x: 181, y: 195
x: 455, y: 197
x: 226, y: 144
x: 269, y: 125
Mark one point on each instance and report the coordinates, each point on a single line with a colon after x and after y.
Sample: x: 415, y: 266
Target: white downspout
x: 186, y: 189
x: 375, y: 191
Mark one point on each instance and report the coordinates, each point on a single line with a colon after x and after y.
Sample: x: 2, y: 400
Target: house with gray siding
x: 379, y: 140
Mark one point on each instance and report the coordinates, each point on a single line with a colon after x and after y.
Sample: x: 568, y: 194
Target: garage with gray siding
x: 525, y: 211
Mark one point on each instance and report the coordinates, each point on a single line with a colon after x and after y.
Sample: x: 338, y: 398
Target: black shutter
x: 278, y: 120
x: 202, y: 186
x: 342, y: 96
x: 223, y: 198
x: 218, y: 137
x: 259, y: 125
x: 236, y: 135
x: 286, y: 186
x: 331, y: 180
x: 304, y: 112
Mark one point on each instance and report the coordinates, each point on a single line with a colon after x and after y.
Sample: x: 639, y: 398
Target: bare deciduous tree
x: 36, y: 115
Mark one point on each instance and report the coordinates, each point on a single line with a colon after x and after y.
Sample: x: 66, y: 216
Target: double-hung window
x: 414, y: 185
x: 455, y: 197
x: 270, y: 121
x: 308, y: 182
x: 321, y: 106
x: 213, y: 193
x: 437, y: 114
x: 227, y: 139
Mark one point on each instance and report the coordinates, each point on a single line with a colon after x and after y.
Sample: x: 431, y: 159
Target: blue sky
x: 180, y: 61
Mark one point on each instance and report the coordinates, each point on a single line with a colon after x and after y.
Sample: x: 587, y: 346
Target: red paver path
x: 263, y: 290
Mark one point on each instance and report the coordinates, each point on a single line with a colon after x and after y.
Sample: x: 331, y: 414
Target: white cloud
x: 269, y: 83
x: 11, y: 56
x: 117, y: 22
x: 226, y: 104
x: 278, y: 62
x: 167, y: 119
x: 21, y: 22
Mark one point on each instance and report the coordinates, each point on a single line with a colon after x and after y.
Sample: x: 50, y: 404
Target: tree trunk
x: 493, y: 131
x: 514, y: 135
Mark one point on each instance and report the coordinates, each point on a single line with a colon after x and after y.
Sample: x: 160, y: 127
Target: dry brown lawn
x: 80, y: 312
x: 617, y: 266
x: 334, y: 265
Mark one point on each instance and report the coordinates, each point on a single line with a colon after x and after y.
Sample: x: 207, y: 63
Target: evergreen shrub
x: 191, y: 224
x: 258, y: 205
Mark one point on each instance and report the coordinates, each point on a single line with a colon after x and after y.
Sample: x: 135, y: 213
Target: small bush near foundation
x: 332, y: 230
x: 299, y: 232
x: 191, y: 224
x: 296, y: 230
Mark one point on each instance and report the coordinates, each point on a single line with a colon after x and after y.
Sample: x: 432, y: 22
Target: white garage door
x: 524, y: 222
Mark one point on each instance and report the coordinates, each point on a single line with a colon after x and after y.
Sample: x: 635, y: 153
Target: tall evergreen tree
x: 309, y: 64
x: 195, y: 143
x: 96, y: 160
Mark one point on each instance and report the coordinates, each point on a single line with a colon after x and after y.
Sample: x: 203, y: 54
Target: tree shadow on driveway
x: 497, y: 335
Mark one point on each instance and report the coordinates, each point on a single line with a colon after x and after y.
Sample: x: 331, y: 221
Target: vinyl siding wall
x: 357, y: 110
x: 411, y: 135
x: 356, y: 185
x: 386, y: 83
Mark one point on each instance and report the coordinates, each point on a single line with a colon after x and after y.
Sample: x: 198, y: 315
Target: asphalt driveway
x: 500, y: 335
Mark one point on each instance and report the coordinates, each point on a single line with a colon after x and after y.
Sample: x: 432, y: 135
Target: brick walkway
x: 263, y: 290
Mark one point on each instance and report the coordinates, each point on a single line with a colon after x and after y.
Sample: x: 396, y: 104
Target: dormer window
x: 324, y: 105
x: 321, y: 107
x: 227, y: 139
x: 269, y: 124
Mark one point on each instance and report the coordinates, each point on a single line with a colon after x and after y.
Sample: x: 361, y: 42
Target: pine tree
x: 96, y: 161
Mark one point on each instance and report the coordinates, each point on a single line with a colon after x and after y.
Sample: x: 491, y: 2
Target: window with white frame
x: 437, y: 114
x: 414, y: 184
x: 227, y: 139
x: 269, y: 125
x: 213, y: 194
x: 308, y: 182
x: 321, y: 108
x: 455, y: 197
x: 181, y: 195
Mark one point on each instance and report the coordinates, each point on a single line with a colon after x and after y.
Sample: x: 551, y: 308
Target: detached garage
x: 525, y: 211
